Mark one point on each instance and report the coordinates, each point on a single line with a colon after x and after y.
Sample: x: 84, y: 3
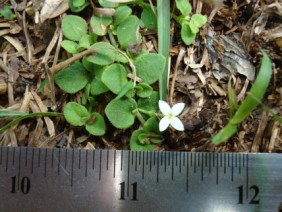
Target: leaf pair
x: 77, y: 115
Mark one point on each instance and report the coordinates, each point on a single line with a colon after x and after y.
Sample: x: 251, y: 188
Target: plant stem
x: 163, y: 9
x: 140, y: 118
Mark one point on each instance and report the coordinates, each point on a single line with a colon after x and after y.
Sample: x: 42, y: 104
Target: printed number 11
x: 122, y: 191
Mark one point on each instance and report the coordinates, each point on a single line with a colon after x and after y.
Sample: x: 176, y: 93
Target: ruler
x: 34, y: 179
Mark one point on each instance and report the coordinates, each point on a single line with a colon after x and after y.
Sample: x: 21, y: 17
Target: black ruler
x: 34, y: 179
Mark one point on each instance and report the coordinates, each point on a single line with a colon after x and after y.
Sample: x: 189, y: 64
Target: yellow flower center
x: 170, y: 116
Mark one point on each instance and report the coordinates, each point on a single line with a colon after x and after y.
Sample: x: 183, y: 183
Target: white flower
x: 170, y: 116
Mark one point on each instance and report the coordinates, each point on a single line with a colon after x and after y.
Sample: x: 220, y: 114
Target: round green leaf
x: 85, y: 42
x: 96, y: 124
x: 98, y: 87
x: 104, y: 55
x: 76, y: 114
x: 115, y: 77
x: 198, y: 20
x: 149, y: 103
x: 152, y: 125
x: 73, y: 78
x: 128, y: 32
x: 143, y: 90
x: 99, y: 24
x: 121, y: 14
x: 184, y: 6
x: 119, y: 112
x: 135, y: 145
x: 69, y: 46
x: 149, y: 67
x: 149, y: 18
x: 187, y: 35
x: 78, y: 5
x: 105, y: 3
x: 74, y: 27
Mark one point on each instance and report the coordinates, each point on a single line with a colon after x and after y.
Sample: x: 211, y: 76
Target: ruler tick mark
x: 59, y: 162
x: 93, y: 160
x: 45, y: 163
x: 66, y: 158
x: 79, y: 158
x: 39, y: 154
x: 107, y: 160
x: 100, y: 165
x: 72, y: 165
x: 13, y: 161
x: 86, y: 163
x: 187, y: 172
x: 32, y: 159
x: 52, y: 160
x: 143, y: 164
x: 26, y: 157
x: 114, y: 163
x: 121, y: 159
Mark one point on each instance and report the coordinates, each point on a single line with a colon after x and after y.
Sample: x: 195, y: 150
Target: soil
x: 228, y: 46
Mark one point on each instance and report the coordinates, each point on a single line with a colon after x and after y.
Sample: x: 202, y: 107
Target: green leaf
x: 194, y: 29
x: 128, y: 32
x: 8, y: 113
x: 121, y: 14
x: 198, y: 20
x: 100, y: 23
x: 225, y: 133
x: 105, y: 3
x: 149, y: 103
x: 187, y: 35
x: 149, y: 67
x: 149, y: 18
x: 149, y: 138
x: 135, y: 144
x: 143, y: 90
x: 78, y: 5
x: 184, y: 7
x: 119, y: 112
x: 85, y: 42
x: 75, y: 114
x: 126, y: 88
x: 74, y: 27
x: 104, y: 55
x: 73, y: 78
x: 69, y: 46
x: 97, y: 86
x: 152, y: 125
x: 7, y: 13
x: 115, y: 77
x: 96, y: 125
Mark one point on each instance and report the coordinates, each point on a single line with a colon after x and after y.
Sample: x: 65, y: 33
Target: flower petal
x: 177, y: 124
x: 164, y: 107
x: 177, y: 108
x: 164, y: 124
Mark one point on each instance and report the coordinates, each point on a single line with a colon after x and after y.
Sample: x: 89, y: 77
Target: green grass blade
x: 9, y: 113
x: 30, y: 115
x: 163, y: 9
x: 258, y: 90
x: 250, y: 103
